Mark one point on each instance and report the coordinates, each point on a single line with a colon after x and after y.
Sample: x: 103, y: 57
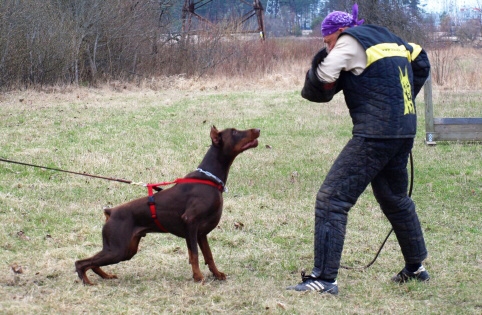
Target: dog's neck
x: 216, y: 163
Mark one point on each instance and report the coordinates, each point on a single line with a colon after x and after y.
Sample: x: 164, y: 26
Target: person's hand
x: 318, y: 58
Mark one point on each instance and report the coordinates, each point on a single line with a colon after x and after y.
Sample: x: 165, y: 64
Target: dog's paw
x: 198, y: 278
x: 110, y: 276
x: 86, y: 282
x: 220, y: 276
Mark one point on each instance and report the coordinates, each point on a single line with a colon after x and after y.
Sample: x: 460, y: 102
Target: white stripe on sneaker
x: 315, y: 286
x: 419, y: 270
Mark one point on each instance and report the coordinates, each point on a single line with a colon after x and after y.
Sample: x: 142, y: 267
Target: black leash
x: 389, y: 233
x: 70, y: 172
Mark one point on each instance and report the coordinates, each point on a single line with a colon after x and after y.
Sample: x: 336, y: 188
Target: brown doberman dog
x: 190, y: 209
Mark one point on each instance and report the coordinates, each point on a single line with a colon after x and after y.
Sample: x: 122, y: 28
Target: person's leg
x: 390, y: 189
x: 355, y: 167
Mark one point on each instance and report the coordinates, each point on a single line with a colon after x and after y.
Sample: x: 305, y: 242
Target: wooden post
x: 429, y: 125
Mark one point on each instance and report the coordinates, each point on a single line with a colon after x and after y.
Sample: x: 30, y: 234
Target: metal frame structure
x: 191, y: 6
x: 448, y: 129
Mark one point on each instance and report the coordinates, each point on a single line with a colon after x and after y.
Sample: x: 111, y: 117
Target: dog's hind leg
x: 117, y: 247
x: 103, y: 274
x: 94, y: 263
x: 208, y: 257
x: 81, y: 267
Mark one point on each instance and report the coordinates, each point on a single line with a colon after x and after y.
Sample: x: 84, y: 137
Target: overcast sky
x: 439, y: 5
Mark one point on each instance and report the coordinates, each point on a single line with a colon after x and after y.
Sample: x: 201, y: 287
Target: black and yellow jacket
x: 381, y: 100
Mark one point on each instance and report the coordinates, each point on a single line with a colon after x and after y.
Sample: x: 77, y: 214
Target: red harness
x: 152, y: 204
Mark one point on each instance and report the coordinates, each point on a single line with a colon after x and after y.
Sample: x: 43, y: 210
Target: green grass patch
x: 50, y: 219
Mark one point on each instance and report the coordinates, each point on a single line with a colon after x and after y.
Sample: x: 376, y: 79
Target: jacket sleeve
x: 420, y: 68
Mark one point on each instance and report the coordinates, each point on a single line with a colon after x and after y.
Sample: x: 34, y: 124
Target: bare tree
x: 75, y: 41
x: 469, y: 31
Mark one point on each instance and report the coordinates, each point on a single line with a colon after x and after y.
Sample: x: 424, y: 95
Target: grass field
x: 265, y: 237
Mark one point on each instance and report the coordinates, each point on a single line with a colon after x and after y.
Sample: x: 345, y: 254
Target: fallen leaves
x: 16, y: 268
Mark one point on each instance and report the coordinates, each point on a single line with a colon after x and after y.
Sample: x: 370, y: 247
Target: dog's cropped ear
x: 215, y: 136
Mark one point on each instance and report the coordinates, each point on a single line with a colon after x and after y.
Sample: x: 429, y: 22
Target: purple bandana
x: 338, y: 19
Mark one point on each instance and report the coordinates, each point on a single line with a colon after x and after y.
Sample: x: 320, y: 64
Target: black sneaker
x: 310, y: 283
x: 403, y: 276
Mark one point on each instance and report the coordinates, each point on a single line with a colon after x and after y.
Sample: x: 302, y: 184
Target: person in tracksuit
x: 380, y: 75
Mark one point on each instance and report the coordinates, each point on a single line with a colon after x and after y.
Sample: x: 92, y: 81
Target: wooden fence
x: 448, y: 129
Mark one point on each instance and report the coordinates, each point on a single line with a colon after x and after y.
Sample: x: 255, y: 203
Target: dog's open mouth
x: 251, y: 144
x: 254, y: 133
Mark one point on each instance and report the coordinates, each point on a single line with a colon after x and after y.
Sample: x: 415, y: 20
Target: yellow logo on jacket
x: 407, y: 92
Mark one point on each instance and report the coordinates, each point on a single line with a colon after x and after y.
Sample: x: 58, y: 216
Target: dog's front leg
x: 194, y: 260
x: 191, y: 241
x: 208, y: 257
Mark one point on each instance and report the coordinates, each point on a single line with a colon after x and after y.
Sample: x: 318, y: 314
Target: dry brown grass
x: 456, y: 68
x: 277, y: 64
x: 281, y: 66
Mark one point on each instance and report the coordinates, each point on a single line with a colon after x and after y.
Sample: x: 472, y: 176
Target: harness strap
x: 152, y: 204
x: 152, y: 207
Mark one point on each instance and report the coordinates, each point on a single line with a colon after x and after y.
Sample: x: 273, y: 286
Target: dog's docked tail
x: 107, y: 213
